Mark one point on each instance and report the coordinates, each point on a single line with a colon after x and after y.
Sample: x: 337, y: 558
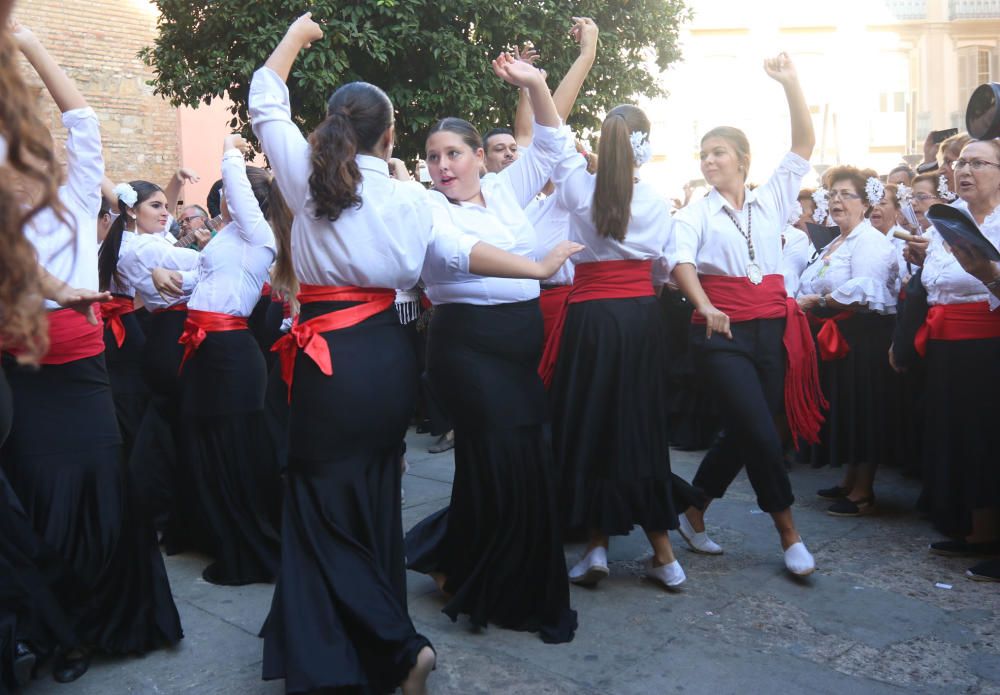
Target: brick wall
x: 96, y: 42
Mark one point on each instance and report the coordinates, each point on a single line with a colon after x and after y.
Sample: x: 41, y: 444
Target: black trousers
x: 746, y: 376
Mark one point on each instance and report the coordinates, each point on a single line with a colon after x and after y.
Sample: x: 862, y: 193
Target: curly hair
x: 857, y: 177
x: 30, y: 154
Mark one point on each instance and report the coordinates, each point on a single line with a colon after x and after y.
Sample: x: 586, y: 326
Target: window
x: 975, y: 65
x: 892, y: 102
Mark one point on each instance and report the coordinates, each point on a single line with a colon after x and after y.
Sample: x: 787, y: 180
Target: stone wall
x: 97, y: 42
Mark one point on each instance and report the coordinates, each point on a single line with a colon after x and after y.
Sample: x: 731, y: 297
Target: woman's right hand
x: 305, y: 30
x: 167, y: 282
x: 916, y: 251
x: 715, y: 321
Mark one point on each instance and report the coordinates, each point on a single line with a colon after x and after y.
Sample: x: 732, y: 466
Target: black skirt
x: 609, y: 424
x: 338, y: 618
x: 861, y: 389
x: 128, y: 387
x: 499, y: 542
x: 225, y: 440
x: 961, y: 445
x: 63, y: 460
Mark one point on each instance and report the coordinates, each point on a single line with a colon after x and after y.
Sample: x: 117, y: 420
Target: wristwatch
x: 822, y: 301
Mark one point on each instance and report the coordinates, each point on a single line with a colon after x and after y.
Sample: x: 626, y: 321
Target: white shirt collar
x: 373, y: 164
x: 716, y: 202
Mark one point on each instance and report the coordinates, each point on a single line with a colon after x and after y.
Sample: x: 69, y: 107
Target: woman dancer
x: 496, y: 551
x: 338, y: 618
x: 73, y: 486
x: 752, y: 340
x: 609, y: 389
x: 850, y: 293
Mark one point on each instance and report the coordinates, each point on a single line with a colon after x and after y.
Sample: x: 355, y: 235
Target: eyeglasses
x: 925, y: 196
x: 191, y: 218
x: 843, y: 195
x: 975, y: 164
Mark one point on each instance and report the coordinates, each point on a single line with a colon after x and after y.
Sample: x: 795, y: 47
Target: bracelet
x: 822, y: 301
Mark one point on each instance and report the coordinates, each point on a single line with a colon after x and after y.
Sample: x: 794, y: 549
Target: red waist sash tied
x: 113, y: 312
x: 552, y: 302
x: 72, y: 338
x: 199, y: 324
x: 307, y: 336
x: 600, y: 280
x: 176, y: 307
x: 972, y: 321
x: 832, y: 344
x: 742, y: 300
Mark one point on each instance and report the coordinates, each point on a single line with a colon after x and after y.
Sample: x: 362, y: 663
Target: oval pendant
x: 754, y: 274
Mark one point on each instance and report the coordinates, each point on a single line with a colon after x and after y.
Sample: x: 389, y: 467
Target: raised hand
x: 186, y: 175
x: 528, y: 53
x: 234, y: 141
x: 305, y: 30
x: 584, y: 32
x: 22, y: 35
x: 516, y: 72
x: 782, y: 69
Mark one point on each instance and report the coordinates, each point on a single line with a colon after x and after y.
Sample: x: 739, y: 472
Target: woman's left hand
x: 808, y: 302
x: 516, y: 72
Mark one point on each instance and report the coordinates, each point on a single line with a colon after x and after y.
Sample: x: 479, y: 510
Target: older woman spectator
x: 849, y: 292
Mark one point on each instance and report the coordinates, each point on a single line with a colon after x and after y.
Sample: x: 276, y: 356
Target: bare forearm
x: 686, y: 277
x: 803, y: 137
x: 569, y: 88
x: 486, y: 259
x: 523, y: 120
x: 542, y: 104
x: 63, y: 90
x: 284, y: 56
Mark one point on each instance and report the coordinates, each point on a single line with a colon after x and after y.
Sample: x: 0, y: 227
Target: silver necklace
x: 754, y: 273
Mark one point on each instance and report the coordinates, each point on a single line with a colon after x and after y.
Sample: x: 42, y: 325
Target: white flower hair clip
x: 943, y: 191
x: 820, y: 197
x: 641, y: 149
x: 795, y: 213
x: 874, y: 190
x: 125, y: 193
x: 903, y: 193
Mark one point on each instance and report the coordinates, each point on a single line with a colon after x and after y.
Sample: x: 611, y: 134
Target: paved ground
x: 879, y: 616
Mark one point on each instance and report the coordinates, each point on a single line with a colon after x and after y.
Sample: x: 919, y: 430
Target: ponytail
x: 283, y: 279
x: 358, y: 114
x: 612, y: 208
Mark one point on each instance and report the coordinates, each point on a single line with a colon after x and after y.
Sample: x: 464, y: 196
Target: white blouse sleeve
x: 781, y: 191
x: 242, y: 203
x: 450, y: 248
x: 527, y: 176
x: 873, y: 265
x: 283, y: 143
x: 85, y: 162
x: 663, y: 266
x: 574, y: 185
x: 686, y: 237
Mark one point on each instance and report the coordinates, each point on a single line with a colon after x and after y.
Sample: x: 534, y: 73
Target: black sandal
x: 833, y: 493
x: 849, y: 507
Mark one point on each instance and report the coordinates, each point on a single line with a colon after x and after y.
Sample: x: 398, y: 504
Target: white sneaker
x: 670, y: 575
x: 592, y: 568
x: 799, y: 561
x: 698, y: 542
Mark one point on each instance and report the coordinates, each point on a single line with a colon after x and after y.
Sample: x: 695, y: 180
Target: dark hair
x: 495, y: 131
x: 356, y: 117
x: 105, y: 208
x: 214, y: 201
x: 738, y: 139
x: 857, y: 177
x: 280, y: 217
x: 906, y: 169
x: 462, y: 128
x: 260, y: 184
x: 930, y: 177
x: 615, y: 176
x: 107, y: 258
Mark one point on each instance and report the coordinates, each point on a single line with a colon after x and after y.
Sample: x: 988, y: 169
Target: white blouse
x: 68, y: 249
x: 650, y: 227
x: 120, y: 286
x: 796, y: 251
x: 943, y: 276
x: 502, y: 223
x: 149, y: 251
x: 551, y: 223
x: 707, y: 238
x: 382, y: 243
x: 862, y: 270
x: 234, y: 265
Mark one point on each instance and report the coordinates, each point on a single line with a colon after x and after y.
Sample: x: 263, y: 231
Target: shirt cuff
x: 189, y: 278
x: 796, y: 164
x: 73, y: 117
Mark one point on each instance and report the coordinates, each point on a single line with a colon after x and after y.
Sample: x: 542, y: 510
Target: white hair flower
x: 125, y: 193
x: 820, y: 197
x: 641, y: 149
x: 943, y: 191
x: 903, y: 193
x: 874, y: 190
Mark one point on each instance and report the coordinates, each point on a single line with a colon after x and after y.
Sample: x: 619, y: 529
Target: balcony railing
x: 974, y: 9
x: 907, y: 9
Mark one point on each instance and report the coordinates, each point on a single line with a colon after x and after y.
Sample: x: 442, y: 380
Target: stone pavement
x: 874, y: 618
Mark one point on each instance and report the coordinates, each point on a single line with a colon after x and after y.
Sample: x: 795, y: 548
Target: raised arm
x: 57, y: 82
x: 782, y: 70
x: 584, y: 31
x: 242, y: 203
x: 522, y: 74
x: 176, y: 185
x: 300, y: 34
x: 523, y: 119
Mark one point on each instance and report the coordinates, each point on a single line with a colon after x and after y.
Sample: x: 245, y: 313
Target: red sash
x: 832, y: 344
x: 176, y: 307
x: 265, y: 290
x: 552, y: 302
x: 742, y: 300
x: 71, y: 338
x: 972, y: 321
x: 199, y: 324
x: 600, y: 280
x: 113, y: 312
x: 307, y: 336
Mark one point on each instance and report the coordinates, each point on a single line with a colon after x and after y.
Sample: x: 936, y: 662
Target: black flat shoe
x: 25, y: 661
x: 848, y: 507
x: 67, y: 669
x: 988, y: 571
x: 964, y: 549
x: 833, y: 493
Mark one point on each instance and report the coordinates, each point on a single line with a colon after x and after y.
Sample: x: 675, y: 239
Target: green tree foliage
x: 431, y: 57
